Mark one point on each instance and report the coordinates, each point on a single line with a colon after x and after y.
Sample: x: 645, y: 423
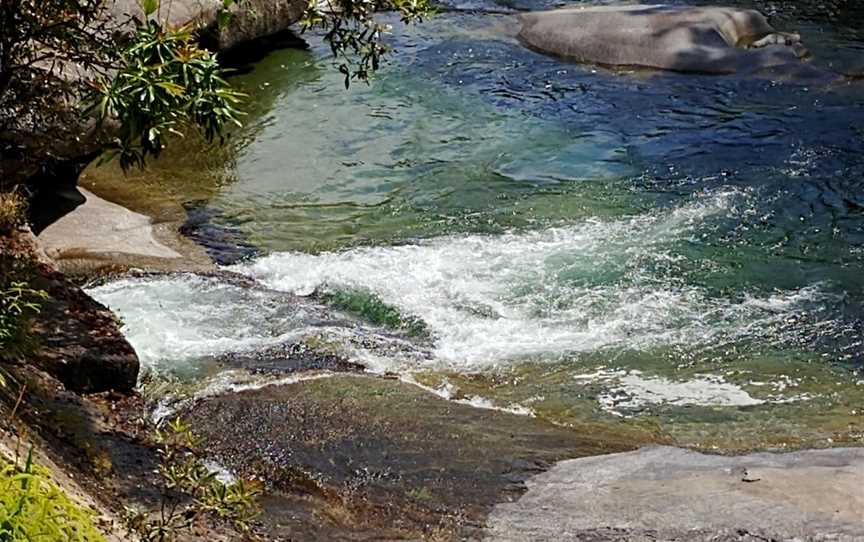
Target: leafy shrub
x: 164, y: 82
x: 18, y: 304
x: 32, y: 507
x: 63, y: 32
x: 189, y: 491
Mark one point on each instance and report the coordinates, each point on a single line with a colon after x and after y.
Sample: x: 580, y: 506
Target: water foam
x: 449, y: 392
x: 178, y: 319
x: 635, y: 391
x: 583, y: 287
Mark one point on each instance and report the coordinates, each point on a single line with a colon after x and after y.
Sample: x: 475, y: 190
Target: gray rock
x: 99, y: 236
x: 252, y: 18
x: 711, y: 40
x: 664, y: 493
x: 103, y: 227
x: 79, y: 340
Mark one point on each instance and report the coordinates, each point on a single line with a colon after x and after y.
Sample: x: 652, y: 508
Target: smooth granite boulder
x: 712, y: 40
x: 252, y: 19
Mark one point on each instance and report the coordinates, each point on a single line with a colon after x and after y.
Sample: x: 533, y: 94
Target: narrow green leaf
x: 149, y: 7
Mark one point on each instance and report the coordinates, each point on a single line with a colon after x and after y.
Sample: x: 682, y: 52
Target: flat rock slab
x: 99, y: 226
x: 664, y: 493
x: 712, y: 40
x: 379, y: 459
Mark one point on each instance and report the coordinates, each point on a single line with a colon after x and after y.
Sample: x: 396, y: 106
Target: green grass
x: 33, y: 508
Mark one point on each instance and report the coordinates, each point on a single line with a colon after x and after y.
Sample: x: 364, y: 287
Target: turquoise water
x: 656, y: 250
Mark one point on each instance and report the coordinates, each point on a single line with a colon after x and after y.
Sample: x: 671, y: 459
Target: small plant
x: 18, y: 304
x: 13, y: 209
x: 32, y: 507
x: 190, y: 491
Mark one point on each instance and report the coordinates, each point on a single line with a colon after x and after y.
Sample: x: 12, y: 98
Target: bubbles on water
x: 584, y: 287
x: 633, y: 391
x: 518, y: 321
x: 172, y: 321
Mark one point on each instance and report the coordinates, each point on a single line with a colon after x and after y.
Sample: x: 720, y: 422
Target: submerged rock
x: 290, y: 358
x: 709, y: 40
x: 664, y: 493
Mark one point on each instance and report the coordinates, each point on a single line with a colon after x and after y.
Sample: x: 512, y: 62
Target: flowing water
x: 678, y: 254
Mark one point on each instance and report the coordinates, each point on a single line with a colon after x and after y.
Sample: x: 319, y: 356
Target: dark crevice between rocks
x: 243, y: 57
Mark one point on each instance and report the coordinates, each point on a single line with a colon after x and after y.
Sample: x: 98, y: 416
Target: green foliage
x: 156, y: 82
x: 190, y: 491
x: 38, y: 40
x: 163, y: 83
x: 356, y: 38
x: 18, y: 304
x: 32, y: 508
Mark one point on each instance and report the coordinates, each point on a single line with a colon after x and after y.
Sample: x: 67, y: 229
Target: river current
x: 677, y: 254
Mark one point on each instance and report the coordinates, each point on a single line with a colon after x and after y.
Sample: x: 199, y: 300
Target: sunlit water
x: 678, y: 254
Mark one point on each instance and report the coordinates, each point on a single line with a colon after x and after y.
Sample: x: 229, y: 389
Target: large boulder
x: 76, y: 340
x: 712, y: 40
x: 251, y: 19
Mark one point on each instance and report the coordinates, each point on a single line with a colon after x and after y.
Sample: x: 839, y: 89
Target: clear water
x: 680, y: 255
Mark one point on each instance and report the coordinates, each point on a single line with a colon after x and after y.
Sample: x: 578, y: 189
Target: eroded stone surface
x: 252, y: 18
x: 664, y: 493
x: 78, y: 340
x: 100, y: 236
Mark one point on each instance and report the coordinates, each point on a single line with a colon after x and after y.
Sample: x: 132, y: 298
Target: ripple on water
x: 699, y: 239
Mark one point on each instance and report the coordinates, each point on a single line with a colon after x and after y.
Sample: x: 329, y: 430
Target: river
x: 675, y: 254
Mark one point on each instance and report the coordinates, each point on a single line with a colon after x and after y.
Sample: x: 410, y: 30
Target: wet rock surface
x: 226, y: 245
x: 372, y: 458
x: 664, y: 493
x: 289, y: 358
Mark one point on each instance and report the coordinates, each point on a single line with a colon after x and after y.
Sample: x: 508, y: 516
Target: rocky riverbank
x: 365, y: 457
x: 346, y: 454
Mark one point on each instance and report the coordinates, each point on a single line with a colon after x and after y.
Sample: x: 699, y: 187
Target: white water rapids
x: 584, y: 287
